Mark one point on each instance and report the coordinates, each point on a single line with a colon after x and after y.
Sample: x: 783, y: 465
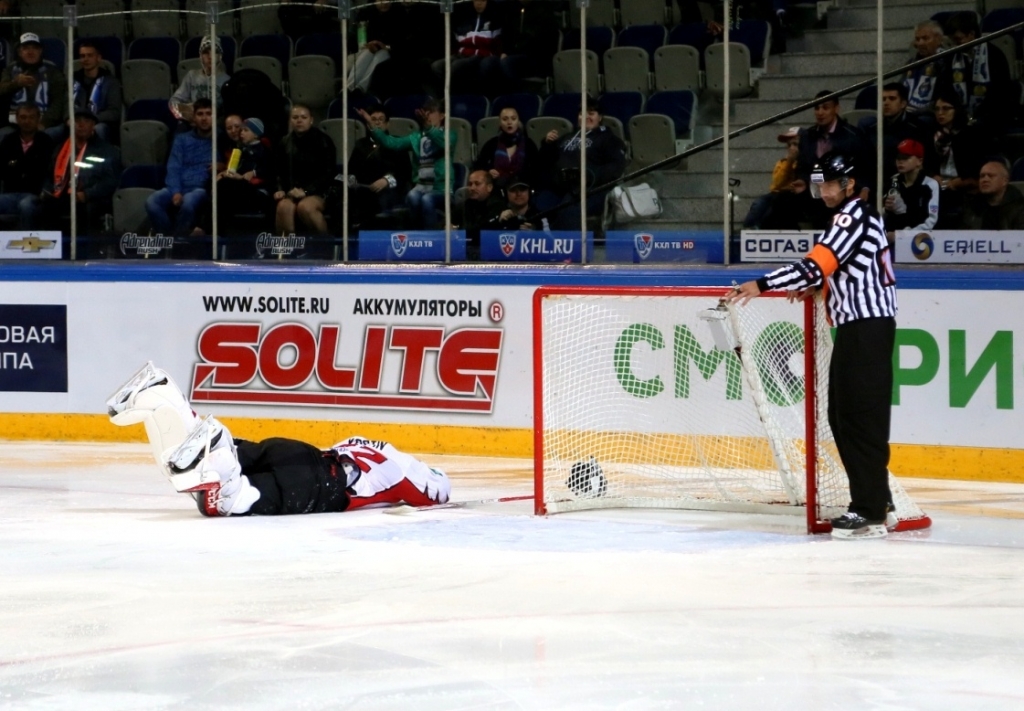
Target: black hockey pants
x: 292, y: 477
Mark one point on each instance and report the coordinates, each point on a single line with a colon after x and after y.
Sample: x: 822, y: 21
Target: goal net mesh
x: 635, y: 383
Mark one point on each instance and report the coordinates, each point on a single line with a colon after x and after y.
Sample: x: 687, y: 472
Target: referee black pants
x: 859, y: 410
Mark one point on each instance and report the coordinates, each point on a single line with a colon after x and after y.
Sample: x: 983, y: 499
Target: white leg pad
x: 161, y: 407
x: 237, y: 496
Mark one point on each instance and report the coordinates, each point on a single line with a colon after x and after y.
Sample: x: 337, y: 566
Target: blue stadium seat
x: 111, y: 49
x: 325, y: 44
x: 162, y: 49
x: 647, y: 37
x: 143, y: 176
x: 680, y: 106
x: 693, y: 34
x: 277, y: 46
x: 405, y: 106
x: 151, y: 110
x: 228, y: 50
x: 471, y: 107
x: 756, y: 35
x: 54, y: 50
x: 622, y: 105
x: 998, y: 19
x: 599, y: 39
x: 363, y: 101
x: 527, y: 105
x: 565, y: 105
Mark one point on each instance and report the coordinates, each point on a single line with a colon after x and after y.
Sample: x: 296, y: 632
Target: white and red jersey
x: 380, y: 474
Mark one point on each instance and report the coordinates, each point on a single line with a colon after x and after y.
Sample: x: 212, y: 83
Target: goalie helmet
x: 586, y: 479
x: 834, y: 165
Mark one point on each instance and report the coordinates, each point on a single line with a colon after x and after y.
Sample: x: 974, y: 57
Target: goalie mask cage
x: 631, y: 379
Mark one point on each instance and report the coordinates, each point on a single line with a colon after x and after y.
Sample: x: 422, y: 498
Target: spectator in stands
x: 24, y: 164
x: 34, y: 79
x: 606, y: 161
x: 530, y: 40
x: 510, y: 155
x: 476, y: 56
x: 244, y: 187
x: 233, y: 130
x: 998, y: 205
x: 922, y: 81
x: 385, y: 26
x: 98, y: 90
x: 412, y: 33
x: 778, y: 209
x: 519, y: 213
x: 97, y: 167
x: 830, y: 132
x: 378, y: 177
x: 196, y: 84
x: 898, y: 125
x: 483, y: 205
x: 980, y: 76
x: 958, y: 150
x: 913, y: 198
x: 188, y: 178
x: 305, y: 167
x: 426, y: 148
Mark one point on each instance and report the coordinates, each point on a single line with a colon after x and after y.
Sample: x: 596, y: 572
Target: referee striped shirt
x: 854, y: 262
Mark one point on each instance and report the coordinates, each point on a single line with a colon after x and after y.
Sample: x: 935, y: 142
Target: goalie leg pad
x: 152, y: 398
x: 206, y: 457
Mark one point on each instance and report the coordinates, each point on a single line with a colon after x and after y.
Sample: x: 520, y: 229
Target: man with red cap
x: 913, y: 198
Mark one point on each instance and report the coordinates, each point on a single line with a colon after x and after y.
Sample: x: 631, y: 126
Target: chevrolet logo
x: 31, y: 244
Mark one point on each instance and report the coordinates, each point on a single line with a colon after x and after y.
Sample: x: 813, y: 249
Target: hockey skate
x: 124, y: 399
x: 852, y: 526
x: 206, y: 466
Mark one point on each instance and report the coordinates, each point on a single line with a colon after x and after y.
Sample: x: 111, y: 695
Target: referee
x: 853, y: 261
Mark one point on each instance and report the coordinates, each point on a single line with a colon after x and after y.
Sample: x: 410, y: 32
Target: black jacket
x: 845, y: 138
x: 606, y: 159
x: 371, y: 161
x: 485, y: 161
x: 922, y: 200
x: 22, y: 172
x: 1007, y: 215
x: 306, y: 162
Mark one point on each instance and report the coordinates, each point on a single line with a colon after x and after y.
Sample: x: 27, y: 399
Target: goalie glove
x: 586, y: 479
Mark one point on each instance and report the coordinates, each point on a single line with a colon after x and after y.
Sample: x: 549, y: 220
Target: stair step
x: 893, y: 17
x: 809, y: 63
x: 749, y: 111
x: 863, y: 40
x: 797, y: 89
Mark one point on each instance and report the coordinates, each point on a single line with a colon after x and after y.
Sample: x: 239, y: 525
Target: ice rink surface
x: 116, y: 595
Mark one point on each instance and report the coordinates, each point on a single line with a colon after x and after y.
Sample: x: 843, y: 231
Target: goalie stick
x: 406, y: 509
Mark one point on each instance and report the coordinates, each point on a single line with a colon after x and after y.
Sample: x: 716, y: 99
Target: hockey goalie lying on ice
x: 233, y: 477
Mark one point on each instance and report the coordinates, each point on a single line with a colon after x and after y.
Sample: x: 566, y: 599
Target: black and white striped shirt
x: 853, y: 259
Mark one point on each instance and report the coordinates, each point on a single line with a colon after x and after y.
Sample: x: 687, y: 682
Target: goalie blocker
x: 231, y: 477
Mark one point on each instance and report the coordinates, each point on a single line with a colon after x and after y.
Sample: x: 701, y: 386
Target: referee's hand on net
x: 743, y: 292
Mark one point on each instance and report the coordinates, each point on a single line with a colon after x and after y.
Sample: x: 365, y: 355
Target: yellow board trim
x: 926, y: 461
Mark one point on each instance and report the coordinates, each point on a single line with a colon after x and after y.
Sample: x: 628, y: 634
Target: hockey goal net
x: 635, y: 405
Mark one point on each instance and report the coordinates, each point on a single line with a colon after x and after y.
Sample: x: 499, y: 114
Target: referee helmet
x: 834, y: 165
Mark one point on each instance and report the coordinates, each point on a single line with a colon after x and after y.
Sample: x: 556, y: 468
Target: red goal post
x: 635, y: 407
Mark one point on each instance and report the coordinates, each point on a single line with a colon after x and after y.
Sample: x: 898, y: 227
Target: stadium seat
x: 268, y: 65
x: 757, y: 36
x: 488, y: 128
x: 401, y: 126
x: 196, y: 22
x: 615, y: 126
x: 540, y: 126
x: 53, y: 27
x: 739, y: 58
x: 460, y: 175
x: 677, y: 67
x: 110, y: 48
x: 363, y: 101
x: 228, y: 49
x: 151, y: 110
x: 693, y: 34
x: 622, y: 105
x: 145, y: 79
x: 101, y: 18
x: 54, y: 50
x: 129, y: 207
x: 566, y: 66
x: 5, y: 48
x: 681, y: 107
x: 565, y: 105
x: 654, y: 139
x: 642, y: 12
x: 277, y: 46
x: 143, y: 175
x: 258, y: 21
x: 627, y: 69
x: 471, y: 107
x: 855, y: 117
x: 147, y: 23
x: 405, y: 106
x: 144, y: 142
x: 324, y: 44
x: 527, y: 105
x: 312, y: 81
x: 599, y: 40
x: 464, y: 139
x: 335, y: 128
x: 162, y: 49
x: 600, y: 13
x: 647, y: 37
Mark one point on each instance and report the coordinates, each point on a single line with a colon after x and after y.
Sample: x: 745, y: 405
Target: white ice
x: 115, y: 594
